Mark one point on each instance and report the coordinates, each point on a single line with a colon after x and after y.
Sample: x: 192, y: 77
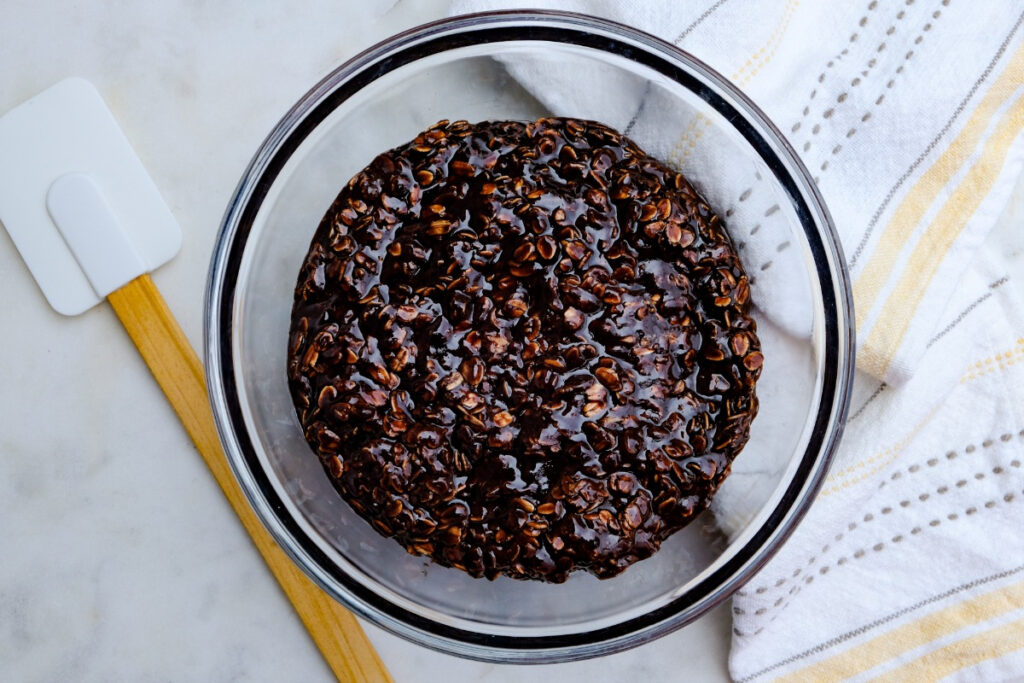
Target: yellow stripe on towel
x: 915, y: 204
x: 902, y: 639
x: 755, y: 62
x: 956, y: 656
x: 866, y: 468
x: 887, y: 334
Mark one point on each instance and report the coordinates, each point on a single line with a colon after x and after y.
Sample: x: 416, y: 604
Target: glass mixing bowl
x: 522, y: 65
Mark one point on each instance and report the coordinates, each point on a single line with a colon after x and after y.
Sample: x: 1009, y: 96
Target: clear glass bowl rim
x: 617, y: 39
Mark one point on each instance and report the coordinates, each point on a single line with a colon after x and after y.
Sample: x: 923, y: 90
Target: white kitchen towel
x: 909, y: 115
x: 910, y: 564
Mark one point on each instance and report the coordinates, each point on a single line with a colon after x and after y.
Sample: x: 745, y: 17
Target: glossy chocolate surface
x: 524, y: 348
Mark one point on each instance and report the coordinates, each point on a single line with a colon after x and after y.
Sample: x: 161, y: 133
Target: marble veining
x: 121, y: 560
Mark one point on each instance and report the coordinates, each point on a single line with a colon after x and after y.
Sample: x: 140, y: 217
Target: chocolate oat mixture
x: 524, y: 348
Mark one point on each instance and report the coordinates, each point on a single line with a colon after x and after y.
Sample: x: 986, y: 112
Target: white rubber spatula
x: 90, y: 224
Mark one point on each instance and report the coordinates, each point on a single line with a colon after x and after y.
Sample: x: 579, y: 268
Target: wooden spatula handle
x: 176, y: 368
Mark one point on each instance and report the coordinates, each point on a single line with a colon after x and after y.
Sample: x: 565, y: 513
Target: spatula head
x: 64, y: 130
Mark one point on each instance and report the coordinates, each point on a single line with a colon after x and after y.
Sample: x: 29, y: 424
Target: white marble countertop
x: 120, y: 558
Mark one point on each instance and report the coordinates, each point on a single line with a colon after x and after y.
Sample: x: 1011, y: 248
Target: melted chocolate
x: 524, y: 348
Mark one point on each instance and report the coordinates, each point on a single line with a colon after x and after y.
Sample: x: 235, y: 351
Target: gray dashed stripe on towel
x: 882, y: 622
x: 782, y: 603
x: 934, y: 143
x: 914, y: 468
x: 841, y: 97
x: 831, y: 63
x: 855, y: 82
